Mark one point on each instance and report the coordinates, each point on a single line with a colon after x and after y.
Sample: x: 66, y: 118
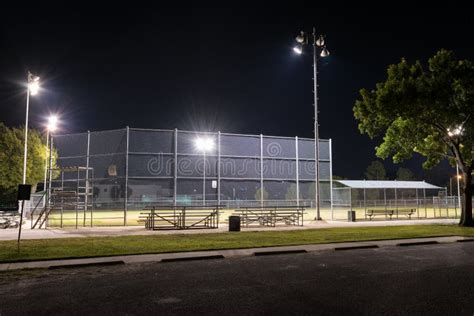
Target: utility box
x: 351, y: 216
x: 234, y: 223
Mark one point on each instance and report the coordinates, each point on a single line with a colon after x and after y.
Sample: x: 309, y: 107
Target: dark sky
x: 215, y: 68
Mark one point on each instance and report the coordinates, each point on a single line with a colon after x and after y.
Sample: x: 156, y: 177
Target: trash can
x: 234, y: 223
x: 351, y: 216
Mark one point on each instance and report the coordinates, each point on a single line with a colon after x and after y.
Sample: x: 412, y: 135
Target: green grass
x: 126, y: 245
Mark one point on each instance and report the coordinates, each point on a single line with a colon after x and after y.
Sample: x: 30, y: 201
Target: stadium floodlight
x: 318, y: 43
x: 33, y: 84
x: 298, y: 49
x: 50, y: 128
x: 52, y: 123
x: 33, y: 88
x: 204, y: 144
x: 324, y: 52
x: 301, y: 38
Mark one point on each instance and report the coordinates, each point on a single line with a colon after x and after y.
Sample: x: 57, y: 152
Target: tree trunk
x: 466, y: 214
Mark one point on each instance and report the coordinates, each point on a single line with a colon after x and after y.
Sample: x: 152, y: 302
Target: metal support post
x: 218, y: 171
x: 175, y: 167
x: 125, y: 209
x: 261, y: 170
x: 330, y: 179
x: 297, y: 173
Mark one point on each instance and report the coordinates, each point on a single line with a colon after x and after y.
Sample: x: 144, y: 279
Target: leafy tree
x: 11, y: 159
x: 405, y: 174
x: 375, y: 171
x: 427, y: 110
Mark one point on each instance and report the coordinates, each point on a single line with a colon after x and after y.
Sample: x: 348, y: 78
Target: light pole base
x: 318, y: 218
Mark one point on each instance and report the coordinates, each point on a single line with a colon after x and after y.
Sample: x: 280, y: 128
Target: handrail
x: 36, y: 206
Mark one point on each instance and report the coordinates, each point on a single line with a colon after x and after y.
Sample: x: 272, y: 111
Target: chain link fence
x: 134, y: 168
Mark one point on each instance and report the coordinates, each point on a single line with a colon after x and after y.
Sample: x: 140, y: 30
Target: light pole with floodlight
x: 458, y: 178
x: 50, y: 128
x: 318, y: 42
x: 33, y: 88
x: 455, y: 134
x: 204, y: 145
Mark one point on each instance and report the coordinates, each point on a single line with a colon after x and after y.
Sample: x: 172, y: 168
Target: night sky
x: 213, y: 68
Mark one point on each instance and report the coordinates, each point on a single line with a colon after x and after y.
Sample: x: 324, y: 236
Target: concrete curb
x: 231, y: 253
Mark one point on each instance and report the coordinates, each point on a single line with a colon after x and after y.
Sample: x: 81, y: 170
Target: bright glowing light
x: 324, y: 52
x: 456, y: 131
x: 204, y: 144
x: 300, y: 38
x: 320, y: 41
x: 459, y: 177
x: 298, y: 50
x: 33, y: 86
x: 52, y: 123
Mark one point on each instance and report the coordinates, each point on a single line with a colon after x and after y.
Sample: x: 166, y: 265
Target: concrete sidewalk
x: 27, y: 233
x: 225, y: 254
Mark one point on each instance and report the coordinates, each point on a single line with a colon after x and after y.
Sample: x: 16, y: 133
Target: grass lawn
x: 125, y: 245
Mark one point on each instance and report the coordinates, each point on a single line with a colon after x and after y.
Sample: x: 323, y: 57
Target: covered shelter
x: 391, y: 199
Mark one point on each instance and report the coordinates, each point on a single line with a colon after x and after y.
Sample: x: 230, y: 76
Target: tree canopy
x: 425, y: 109
x: 376, y: 171
x: 405, y: 174
x: 11, y: 159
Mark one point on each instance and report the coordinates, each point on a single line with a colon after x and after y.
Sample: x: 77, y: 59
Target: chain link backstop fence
x: 133, y: 168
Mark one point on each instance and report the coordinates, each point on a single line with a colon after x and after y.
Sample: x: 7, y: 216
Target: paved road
x: 429, y: 279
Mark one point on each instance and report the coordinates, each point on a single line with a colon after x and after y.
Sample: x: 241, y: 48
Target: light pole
x: 204, y: 145
x: 50, y: 128
x: 318, y: 42
x: 455, y: 134
x: 458, y: 177
x: 33, y: 88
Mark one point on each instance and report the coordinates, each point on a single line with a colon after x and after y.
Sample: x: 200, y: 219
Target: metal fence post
x: 218, y: 171
x: 365, y: 203
x: 446, y: 201
x: 330, y: 177
x: 86, y: 198
x: 396, y: 201
x: 424, y: 200
x: 350, y: 199
x: 297, y: 174
x: 417, y: 205
x: 50, y: 175
x: 126, y: 178
x: 175, y: 165
x: 261, y: 170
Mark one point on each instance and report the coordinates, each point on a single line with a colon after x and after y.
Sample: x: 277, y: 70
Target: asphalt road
x: 429, y: 280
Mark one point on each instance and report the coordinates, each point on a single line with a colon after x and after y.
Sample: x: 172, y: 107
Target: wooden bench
x: 270, y: 216
x: 406, y: 211
x: 183, y: 217
x: 390, y: 212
